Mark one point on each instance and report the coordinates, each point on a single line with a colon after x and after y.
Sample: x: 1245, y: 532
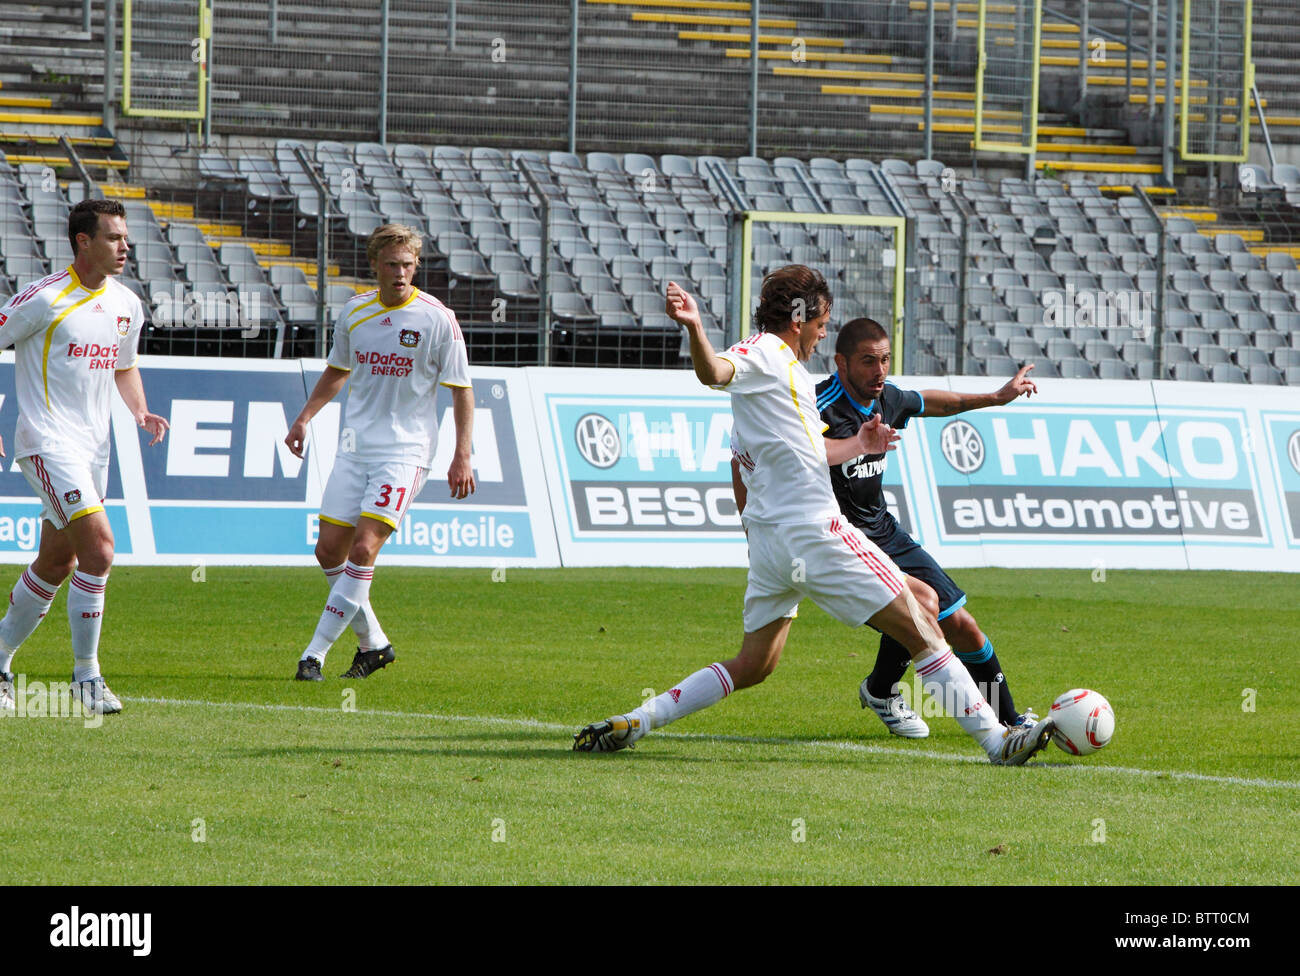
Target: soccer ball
x: 1084, y: 721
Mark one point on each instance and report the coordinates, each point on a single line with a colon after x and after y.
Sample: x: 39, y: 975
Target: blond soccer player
x: 799, y: 543
x: 74, y: 335
x: 396, y: 345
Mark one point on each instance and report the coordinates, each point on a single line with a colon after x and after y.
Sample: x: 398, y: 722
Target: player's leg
x: 973, y: 647
x: 386, y: 491
x: 969, y: 643
x: 854, y: 580
x: 879, y: 690
x: 759, y: 653
x: 91, y: 539
x: 770, y: 605
x: 944, y: 677
x: 333, y: 543
x: 30, y: 600
x: 351, y: 588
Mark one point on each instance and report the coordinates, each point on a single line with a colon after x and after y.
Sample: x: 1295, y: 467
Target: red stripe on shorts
x: 872, y: 561
x: 49, y: 488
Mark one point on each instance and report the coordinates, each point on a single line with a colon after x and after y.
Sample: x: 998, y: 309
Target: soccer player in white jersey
x: 397, y: 345
x: 74, y: 336
x: 799, y: 543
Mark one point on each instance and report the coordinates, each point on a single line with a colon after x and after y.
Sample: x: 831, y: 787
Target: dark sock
x: 984, y: 667
x: 891, y: 664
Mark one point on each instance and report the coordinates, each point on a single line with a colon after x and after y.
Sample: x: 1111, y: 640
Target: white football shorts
x: 68, y: 489
x: 828, y: 561
x: 382, y: 490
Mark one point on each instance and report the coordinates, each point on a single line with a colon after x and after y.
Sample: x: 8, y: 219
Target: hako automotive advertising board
x: 225, y: 488
x: 638, y: 464
x: 591, y: 467
x: 1161, y: 475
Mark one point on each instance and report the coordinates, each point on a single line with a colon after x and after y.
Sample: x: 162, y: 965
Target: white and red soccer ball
x: 1084, y: 721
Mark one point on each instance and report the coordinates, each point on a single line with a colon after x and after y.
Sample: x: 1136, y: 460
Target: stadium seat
x: 1076, y: 368
x: 1227, y: 373
x: 1192, y: 372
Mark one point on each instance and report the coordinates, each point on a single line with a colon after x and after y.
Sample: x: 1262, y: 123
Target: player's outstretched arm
x: 711, y: 368
x: 131, y: 390
x: 460, y: 474
x: 327, y: 388
x: 944, y: 403
x: 873, y: 437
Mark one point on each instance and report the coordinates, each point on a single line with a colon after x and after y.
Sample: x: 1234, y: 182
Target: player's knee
x: 54, y: 570
x: 963, y: 632
x: 928, y: 599
x: 326, y: 556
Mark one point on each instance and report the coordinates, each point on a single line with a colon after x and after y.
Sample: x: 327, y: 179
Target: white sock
x: 85, y: 618
x: 945, y: 678
x: 29, y: 602
x: 705, y: 687
x: 364, y: 622
x: 350, y: 590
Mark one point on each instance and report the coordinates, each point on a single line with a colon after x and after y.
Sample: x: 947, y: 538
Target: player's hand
x: 296, y: 439
x: 681, y: 307
x: 1018, y: 385
x: 155, y: 425
x: 460, y: 478
x: 2, y: 447
x: 877, y: 437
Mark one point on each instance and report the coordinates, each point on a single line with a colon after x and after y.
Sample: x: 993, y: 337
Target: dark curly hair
x: 784, y: 289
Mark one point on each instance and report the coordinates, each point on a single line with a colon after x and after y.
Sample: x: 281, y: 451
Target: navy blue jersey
x: 857, y: 482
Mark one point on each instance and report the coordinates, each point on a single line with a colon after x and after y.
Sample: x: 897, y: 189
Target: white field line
x: 529, y: 723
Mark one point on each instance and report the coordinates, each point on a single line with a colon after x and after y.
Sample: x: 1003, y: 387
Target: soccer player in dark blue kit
x: 846, y: 399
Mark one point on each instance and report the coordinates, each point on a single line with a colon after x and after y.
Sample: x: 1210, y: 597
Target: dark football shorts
x: 915, y: 561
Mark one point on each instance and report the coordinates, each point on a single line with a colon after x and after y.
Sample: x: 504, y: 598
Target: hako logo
x: 962, y: 446
x: 1293, y: 450
x: 597, y: 441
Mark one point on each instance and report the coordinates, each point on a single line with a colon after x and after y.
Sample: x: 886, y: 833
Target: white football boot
x: 95, y: 697
x: 1020, y: 743
x: 893, y: 711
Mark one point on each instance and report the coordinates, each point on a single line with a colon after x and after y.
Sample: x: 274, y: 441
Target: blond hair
x: 390, y: 234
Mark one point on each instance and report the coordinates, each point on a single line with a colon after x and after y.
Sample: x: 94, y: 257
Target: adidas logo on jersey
x: 98, y: 307
x: 387, y: 320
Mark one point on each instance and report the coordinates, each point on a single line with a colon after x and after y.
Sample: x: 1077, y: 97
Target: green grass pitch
x: 454, y: 764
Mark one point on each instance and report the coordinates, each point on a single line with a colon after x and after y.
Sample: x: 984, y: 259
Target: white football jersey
x: 68, y: 342
x: 397, y: 357
x: 777, y: 433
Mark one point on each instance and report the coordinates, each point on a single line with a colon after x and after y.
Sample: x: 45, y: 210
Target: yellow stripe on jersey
x: 84, y: 512
x: 49, y: 333
x: 334, y: 521
x: 794, y: 395
x: 382, y: 308
x: 360, y: 307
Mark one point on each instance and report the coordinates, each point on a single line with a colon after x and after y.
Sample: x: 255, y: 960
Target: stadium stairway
x: 51, y: 84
